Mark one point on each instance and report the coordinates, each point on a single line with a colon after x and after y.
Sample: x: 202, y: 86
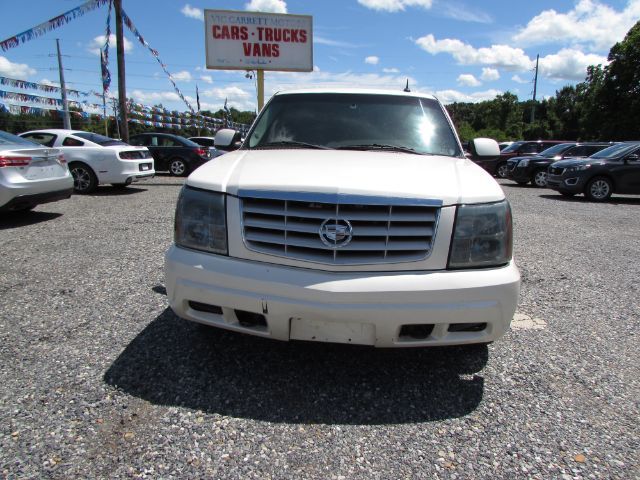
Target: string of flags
x: 24, y: 85
x: 51, y: 24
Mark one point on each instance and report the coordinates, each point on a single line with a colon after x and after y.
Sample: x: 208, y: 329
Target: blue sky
x: 459, y: 50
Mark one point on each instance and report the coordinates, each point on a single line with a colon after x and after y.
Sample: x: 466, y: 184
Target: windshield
x: 615, y: 151
x: 556, y: 149
x: 512, y: 148
x: 99, y: 139
x: 354, y: 121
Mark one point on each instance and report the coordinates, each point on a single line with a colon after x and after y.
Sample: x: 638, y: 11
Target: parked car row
x: 42, y: 166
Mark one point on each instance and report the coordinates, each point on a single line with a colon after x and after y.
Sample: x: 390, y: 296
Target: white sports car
x: 95, y: 159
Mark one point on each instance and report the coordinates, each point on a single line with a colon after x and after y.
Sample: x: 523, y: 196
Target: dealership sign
x: 258, y: 41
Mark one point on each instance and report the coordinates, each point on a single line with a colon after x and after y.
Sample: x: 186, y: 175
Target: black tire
x: 598, y: 189
x: 84, y: 180
x: 502, y: 170
x: 178, y: 168
x: 539, y: 179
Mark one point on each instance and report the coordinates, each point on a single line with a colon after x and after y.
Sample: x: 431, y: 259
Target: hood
x: 573, y: 162
x: 381, y: 174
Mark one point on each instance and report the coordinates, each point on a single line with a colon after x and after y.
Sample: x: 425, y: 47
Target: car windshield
x: 9, y: 139
x: 512, y: 148
x: 556, y: 149
x: 99, y: 139
x: 354, y: 121
x: 615, y: 151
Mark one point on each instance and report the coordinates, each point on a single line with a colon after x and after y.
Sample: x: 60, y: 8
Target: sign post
x: 236, y: 40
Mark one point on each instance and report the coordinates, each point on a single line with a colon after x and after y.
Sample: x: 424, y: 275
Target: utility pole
x: 65, y: 104
x: 122, y: 88
x: 535, y: 87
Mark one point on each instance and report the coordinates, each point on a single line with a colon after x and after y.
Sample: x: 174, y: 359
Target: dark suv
x: 176, y: 154
x: 497, y: 166
x: 615, y: 169
x: 534, y: 168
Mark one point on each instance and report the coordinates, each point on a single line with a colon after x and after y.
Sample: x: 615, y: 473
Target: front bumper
x: 520, y: 174
x: 567, y: 182
x: 368, y: 308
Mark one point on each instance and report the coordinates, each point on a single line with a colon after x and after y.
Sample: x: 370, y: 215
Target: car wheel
x: 177, y: 167
x: 502, y: 170
x: 540, y: 179
x: 598, y: 189
x: 84, y: 180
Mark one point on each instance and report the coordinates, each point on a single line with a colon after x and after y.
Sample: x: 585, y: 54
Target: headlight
x: 483, y: 236
x: 523, y: 163
x: 201, y: 221
x: 578, y: 168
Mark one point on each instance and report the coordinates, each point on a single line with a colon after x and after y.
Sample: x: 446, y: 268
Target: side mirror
x: 484, y: 147
x: 227, y: 139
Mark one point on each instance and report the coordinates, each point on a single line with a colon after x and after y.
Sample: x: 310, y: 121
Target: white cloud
x: 206, y: 78
x: 489, y: 74
x: 468, y: 80
x: 519, y: 79
x: 450, y: 96
x: 391, y: 70
x: 46, y: 81
x: 332, y: 43
x: 589, y: 23
x: 463, y: 13
x: 18, y: 71
x: 372, y: 60
x: 395, y: 5
x: 240, y: 97
x: 502, y: 56
x: 98, y: 42
x: 155, y: 97
x: 273, y: 6
x: 192, y: 12
x: 182, y: 76
x: 569, y: 64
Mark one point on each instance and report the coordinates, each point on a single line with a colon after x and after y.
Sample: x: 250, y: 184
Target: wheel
x: 502, y: 170
x: 564, y: 193
x: 84, y: 180
x: 598, y: 189
x: 540, y: 179
x: 178, y: 168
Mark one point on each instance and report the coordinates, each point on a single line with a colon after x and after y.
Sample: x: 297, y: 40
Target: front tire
x: 540, y: 179
x: 84, y: 180
x: 502, y: 170
x: 178, y: 168
x: 598, y: 189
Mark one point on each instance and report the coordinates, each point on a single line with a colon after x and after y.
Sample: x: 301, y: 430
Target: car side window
x: 46, y: 139
x: 169, y: 142
x: 72, y: 142
x: 529, y: 148
x: 138, y: 142
x: 578, y: 151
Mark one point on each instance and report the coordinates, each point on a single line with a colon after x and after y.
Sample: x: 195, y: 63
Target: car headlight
x: 523, y: 163
x: 578, y: 168
x: 201, y: 221
x: 483, y: 236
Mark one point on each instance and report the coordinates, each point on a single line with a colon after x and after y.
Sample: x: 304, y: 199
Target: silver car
x: 31, y: 174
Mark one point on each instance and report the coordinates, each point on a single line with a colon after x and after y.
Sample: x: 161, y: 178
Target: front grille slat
x: 393, y: 233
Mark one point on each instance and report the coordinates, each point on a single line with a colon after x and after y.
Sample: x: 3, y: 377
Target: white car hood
x: 381, y: 174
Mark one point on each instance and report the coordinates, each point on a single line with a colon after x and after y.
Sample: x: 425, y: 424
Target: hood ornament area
x: 336, y: 232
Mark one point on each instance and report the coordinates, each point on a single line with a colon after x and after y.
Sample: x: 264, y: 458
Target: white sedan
x: 95, y: 159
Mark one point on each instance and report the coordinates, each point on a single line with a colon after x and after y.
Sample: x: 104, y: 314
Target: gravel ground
x: 99, y: 378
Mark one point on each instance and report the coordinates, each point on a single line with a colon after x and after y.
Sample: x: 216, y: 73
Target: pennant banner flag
x: 104, y: 55
x: 23, y: 84
x: 52, y: 24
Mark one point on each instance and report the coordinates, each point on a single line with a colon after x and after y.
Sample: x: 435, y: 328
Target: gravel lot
x: 99, y: 378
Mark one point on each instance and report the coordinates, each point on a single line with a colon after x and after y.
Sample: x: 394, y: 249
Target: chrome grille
x: 382, y: 230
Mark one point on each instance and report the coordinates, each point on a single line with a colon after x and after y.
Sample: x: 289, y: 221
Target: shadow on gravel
x: 21, y: 219
x: 177, y: 363
x: 580, y: 199
x: 109, y: 191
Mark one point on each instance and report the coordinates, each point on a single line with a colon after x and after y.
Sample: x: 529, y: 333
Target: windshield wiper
x: 292, y: 143
x: 379, y: 146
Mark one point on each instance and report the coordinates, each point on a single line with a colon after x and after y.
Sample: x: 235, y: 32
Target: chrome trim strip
x: 338, y: 198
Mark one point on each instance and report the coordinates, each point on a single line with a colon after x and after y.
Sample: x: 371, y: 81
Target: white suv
x: 347, y: 216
